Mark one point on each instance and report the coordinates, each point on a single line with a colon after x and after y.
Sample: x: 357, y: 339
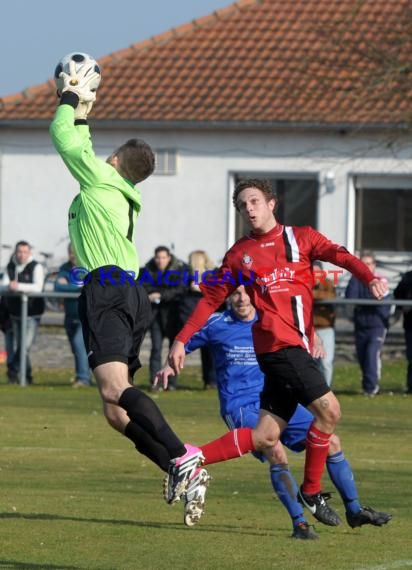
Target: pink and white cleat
x: 181, y: 470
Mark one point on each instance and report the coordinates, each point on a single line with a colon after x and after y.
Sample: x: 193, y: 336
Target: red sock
x: 233, y: 444
x: 317, y: 447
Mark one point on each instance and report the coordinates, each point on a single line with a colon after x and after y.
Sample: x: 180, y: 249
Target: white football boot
x: 195, y: 496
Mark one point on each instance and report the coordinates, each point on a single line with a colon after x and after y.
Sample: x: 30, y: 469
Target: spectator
x: 162, y: 277
x: 5, y: 325
x: 371, y: 324
x: 26, y: 275
x: 324, y: 319
x: 72, y: 322
x: 404, y: 291
x: 199, y: 263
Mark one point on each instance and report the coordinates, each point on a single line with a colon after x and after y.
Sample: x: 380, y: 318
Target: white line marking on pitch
x: 392, y: 565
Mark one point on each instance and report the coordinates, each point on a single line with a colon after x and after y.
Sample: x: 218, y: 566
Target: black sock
x: 146, y: 445
x: 143, y: 411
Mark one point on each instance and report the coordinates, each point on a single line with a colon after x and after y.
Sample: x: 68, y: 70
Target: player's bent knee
x: 264, y: 441
x: 335, y: 413
x: 331, y: 419
x: 109, y: 394
x: 327, y: 411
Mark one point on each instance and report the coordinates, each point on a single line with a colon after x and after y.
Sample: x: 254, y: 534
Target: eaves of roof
x: 238, y: 126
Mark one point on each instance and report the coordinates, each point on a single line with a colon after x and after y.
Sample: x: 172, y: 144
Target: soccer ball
x: 80, y: 59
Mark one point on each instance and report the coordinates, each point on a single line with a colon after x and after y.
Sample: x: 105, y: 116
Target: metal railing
x: 25, y: 301
x: 23, y: 328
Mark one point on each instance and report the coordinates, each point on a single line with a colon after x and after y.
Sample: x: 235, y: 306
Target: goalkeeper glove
x: 80, y: 82
x: 82, y: 110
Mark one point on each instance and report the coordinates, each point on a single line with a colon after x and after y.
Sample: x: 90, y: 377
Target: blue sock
x: 342, y: 477
x: 286, y: 489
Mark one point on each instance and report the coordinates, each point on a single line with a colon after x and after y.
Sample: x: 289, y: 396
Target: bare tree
x: 362, y: 56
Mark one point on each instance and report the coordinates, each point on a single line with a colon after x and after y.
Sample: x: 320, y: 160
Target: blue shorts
x: 293, y: 437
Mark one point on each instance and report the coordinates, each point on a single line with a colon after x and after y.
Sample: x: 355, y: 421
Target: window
x: 383, y: 214
x: 297, y: 201
x: 166, y: 161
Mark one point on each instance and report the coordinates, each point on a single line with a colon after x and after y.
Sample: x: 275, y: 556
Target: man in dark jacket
x: 164, y: 280
x: 23, y: 274
x: 371, y: 324
x: 404, y: 291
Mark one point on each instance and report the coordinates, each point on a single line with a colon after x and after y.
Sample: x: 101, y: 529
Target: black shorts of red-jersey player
x: 291, y: 375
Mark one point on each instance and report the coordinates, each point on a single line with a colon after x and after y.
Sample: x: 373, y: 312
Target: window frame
x: 235, y: 220
x: 396, y: 184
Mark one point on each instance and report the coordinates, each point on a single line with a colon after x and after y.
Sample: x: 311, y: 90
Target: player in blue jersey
x: 239, y: 383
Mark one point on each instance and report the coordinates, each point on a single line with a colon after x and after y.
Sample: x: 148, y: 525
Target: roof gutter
x: 215, y: 125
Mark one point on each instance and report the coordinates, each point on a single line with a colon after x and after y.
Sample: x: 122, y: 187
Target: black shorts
x: 291, y: 377
x: 115, y: 316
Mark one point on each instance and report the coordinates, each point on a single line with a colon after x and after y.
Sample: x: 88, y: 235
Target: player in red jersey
x: 274, y: 262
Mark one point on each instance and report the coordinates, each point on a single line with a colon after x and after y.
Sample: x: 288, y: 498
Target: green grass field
x: 75, y: 494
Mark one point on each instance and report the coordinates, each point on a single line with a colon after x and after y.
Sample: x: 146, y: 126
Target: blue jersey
x: 239, y: 379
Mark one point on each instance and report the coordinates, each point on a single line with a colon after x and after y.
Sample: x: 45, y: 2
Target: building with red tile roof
x: 315, y: 94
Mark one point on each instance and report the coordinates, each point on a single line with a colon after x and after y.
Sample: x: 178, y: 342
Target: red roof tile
x: 324, y: 62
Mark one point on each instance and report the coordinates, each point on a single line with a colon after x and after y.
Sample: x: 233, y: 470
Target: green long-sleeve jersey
x: 102, y: 218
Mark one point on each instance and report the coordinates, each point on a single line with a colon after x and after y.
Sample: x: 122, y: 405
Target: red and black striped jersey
x: 276, y: 270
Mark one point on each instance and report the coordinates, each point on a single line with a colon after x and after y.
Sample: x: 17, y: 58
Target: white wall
x: 190, y: 210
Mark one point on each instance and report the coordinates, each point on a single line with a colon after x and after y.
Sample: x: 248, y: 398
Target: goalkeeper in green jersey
x: 114, y: 309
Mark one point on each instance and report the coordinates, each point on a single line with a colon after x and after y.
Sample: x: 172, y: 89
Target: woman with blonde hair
x: 199, y: 264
